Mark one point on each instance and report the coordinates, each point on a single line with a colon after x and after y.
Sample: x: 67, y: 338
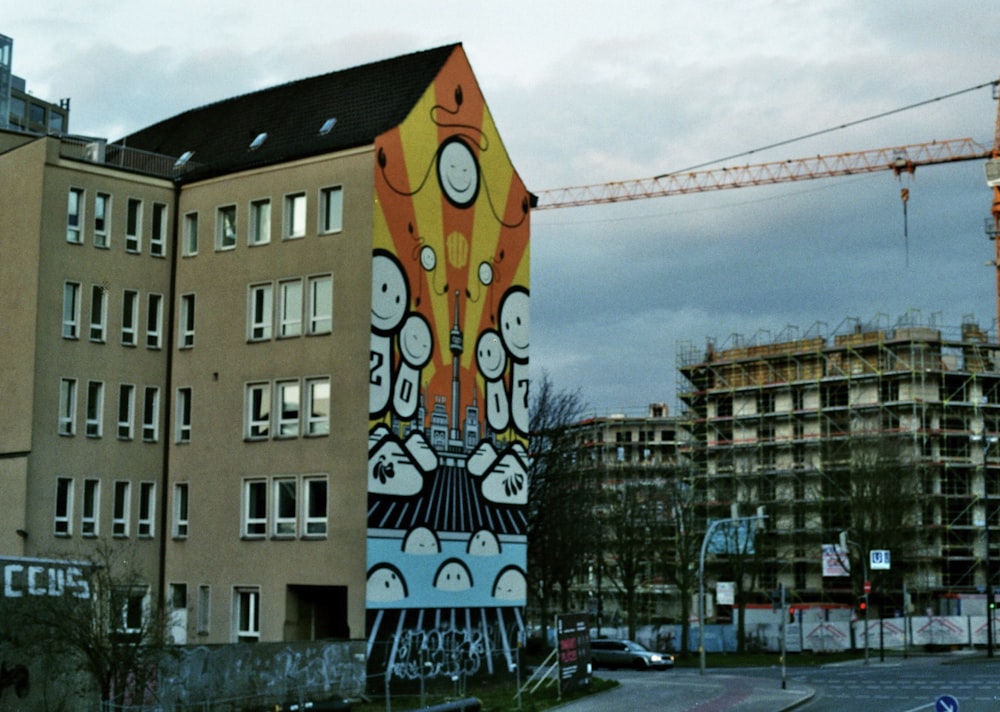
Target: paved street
x: 896, y: 685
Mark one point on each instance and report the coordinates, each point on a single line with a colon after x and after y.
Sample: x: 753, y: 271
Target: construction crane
x: 898, y: 159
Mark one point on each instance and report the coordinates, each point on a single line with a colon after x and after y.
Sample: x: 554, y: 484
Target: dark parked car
x: 605, y: 652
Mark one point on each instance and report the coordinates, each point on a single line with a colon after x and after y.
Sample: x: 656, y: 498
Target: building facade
x: 268, y: 354
x: 792, y: 423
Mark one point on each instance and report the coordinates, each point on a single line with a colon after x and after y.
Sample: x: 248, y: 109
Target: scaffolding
x: 775, y: 421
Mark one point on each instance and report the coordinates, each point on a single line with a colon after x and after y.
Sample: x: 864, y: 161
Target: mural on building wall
x: 447, y: 458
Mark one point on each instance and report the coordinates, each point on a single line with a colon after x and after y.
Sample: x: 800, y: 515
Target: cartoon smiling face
x: 415, y: 341
x: 458, y: 172
x: 490, y: 355
x: 390, y: 292
x: 514, y: 323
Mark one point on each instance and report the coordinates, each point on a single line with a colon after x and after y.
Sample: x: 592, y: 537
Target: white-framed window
x: 102, y: 220
x: 182, y: 431
x: 121, y: 507
x: 225, y: 228
x: 180, y: 519
x: 131, y: 603
x: 94, y: 426
x: 147, y: 510
x: 290, y: 308
x: 71, y: 310
x: 74, y: 216
x: 154, y: 321
x: 67, y: 406
x: 126, y: 411
x: 295, y: 215
x: 98, y: 313
x: 63, y: 520
x: 288, y: 402
x: 317, y: 406
x: 133, y: 225
x: 260, y: 222
x: 254, y: 508
x: 331, y: 209
x: 315, y: 493
x: 204, y: 613
x: 185, y: 326
x: 91, y: 515
x: 260, y: 308
x: 190, y: 234
x: 158, y: 236
x: 151, y: 415
x: 130, y: 317
x: 320, y: 304
x: 258, y: 411
x: 246, y: 614
x: 285, y: 506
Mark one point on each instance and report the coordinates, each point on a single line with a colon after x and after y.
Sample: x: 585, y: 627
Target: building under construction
x: 886, y: 432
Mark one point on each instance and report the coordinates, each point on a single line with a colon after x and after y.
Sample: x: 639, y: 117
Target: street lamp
x: 987, y: 441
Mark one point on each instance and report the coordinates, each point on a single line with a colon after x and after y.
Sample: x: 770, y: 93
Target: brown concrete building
x: 186, y: 330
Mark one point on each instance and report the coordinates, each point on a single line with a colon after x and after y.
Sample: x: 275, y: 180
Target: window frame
x: 295, y: 215
x: 182, y: 426
x: 289, y: 323
x: 259, y: 232
x: 98, y: 313
x: 286, y: 494
x: 316, y: 424
x: 190, y: 234
x: 67, y: 406
x: 62, y: 512
x: 315, y: 526
x: 154, y: 321
x: 94, y: 420
x: 226, y: 227
x: 185, y: 324
x: 130, y: 317
x: 72, y: 293
x: 319, y: 322
x: 90, y: 514
x: 180, y: 523
x: 287, y: 425
x: 203, y: 620
x: 255, y: 508
x: 151, y: 414
x: 246, y: 608
x: 159, y: 230
x: 146, y: 523
x: 331, y: 222
x: 258, y: 410
x: 121, y: 508
x: 126, y: 428
x: 260, y: 312
x: 102, y: 220
x: 133, y: 226
x: 75, y: 215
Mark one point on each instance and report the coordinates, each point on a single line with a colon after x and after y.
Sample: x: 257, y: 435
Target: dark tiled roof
x: 365, y: 100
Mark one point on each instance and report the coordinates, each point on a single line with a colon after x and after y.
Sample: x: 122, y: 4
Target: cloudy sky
x: 593, y: 91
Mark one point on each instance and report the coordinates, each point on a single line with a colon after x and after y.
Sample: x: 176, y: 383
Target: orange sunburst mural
x: 448, y: 392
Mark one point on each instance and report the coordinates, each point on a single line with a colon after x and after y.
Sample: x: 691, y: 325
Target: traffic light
x: 791, y: 614
x: 862, y: 604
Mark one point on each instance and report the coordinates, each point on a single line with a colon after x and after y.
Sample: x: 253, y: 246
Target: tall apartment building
x: 274, y: 349
x: 774, y: 422
x: 21, y: 110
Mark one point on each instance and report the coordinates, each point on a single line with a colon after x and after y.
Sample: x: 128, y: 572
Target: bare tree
x: 107, y: 625
x: 684, y: 536
x: 559, y: 540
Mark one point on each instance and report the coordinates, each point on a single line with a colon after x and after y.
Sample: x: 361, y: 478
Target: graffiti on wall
x: 448, y: 391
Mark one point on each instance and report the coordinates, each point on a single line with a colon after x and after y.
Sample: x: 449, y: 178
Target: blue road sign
x: 946, y: 703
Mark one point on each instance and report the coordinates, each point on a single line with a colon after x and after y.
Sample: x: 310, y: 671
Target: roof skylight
x: 327, y: 126
x: 259, y: 141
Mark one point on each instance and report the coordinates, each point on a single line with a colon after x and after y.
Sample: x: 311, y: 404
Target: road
x: 896, y: 685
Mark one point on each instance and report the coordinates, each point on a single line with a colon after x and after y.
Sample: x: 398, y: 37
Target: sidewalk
x: 687, y: 691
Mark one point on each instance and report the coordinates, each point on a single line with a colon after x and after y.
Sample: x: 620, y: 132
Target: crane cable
x: 831, y: 129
